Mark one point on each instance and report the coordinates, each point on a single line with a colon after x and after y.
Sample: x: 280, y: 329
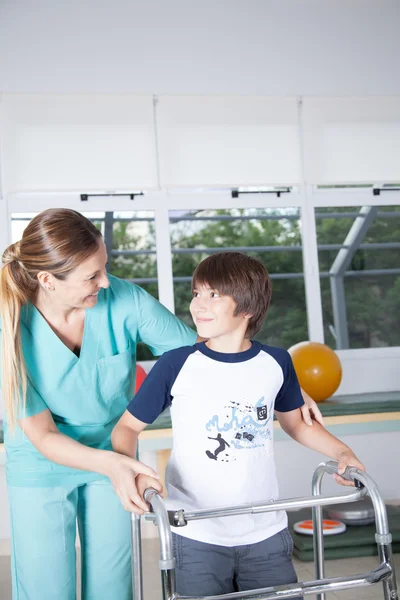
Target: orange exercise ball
x: 318, y: 369
x: 140, y: 377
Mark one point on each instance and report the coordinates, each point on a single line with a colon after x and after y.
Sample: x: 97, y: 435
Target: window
x: 358, y: 250
x: 131, y: 244
x: 271, y: 235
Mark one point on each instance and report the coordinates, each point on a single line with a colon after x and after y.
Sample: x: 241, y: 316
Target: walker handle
x: 346, y: 475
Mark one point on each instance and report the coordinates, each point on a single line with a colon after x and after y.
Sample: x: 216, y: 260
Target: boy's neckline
x: 230, y: 357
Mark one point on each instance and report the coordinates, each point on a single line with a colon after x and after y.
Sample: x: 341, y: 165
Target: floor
x: 305, y: 572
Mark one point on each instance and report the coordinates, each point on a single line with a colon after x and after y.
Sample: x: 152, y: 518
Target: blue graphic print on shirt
x: 247, y: 427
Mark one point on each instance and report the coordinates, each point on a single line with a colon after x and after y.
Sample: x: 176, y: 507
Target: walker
x: 384, y: 573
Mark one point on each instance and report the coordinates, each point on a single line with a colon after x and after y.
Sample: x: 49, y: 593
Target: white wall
x: 378, y: 451
x: 369, y: 370
x: 262, y: 47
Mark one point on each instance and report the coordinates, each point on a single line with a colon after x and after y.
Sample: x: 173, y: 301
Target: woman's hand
x: 122, y: 472
x: 310, y: 410
x: 347, y: 459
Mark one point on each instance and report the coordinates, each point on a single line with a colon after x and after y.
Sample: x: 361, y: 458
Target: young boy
x: 223, y: 394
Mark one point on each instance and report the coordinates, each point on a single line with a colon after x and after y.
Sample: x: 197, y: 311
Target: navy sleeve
x: 289, y: 396
x: 154, y: 395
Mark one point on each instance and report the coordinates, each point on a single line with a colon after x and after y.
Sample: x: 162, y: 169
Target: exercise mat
x: 357, y: 540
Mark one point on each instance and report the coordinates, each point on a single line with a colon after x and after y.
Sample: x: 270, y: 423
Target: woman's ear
x: 46, y: 280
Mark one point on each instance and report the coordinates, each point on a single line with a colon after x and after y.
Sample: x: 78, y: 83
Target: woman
x: 67, y: 376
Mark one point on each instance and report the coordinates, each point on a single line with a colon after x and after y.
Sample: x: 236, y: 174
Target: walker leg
x: 137, y: 580
x: 167, y: 560
x: 318, y: 537
x: 168, y: 584
x: 389, y: 584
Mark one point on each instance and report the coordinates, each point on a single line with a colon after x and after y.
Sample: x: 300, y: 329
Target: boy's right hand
x: 123, y: 472
x: 143, y: 482
x: 347, y: 458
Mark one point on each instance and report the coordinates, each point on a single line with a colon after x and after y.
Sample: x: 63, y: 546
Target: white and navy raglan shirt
x: 222, y: 408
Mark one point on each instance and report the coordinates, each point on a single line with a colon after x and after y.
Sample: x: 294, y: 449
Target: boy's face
x: 213, y: 314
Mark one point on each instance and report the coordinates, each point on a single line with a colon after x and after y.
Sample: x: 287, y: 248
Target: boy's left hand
x: 347, y: 459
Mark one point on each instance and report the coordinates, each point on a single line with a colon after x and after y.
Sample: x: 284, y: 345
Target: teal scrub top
x: 87, y: 394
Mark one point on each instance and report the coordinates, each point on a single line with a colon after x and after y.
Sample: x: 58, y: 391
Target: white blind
x: 75, y: 142
x: 228, y: 140
x: 352, y: 140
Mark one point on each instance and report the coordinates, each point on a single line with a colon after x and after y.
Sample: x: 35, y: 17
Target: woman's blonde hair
x: 56, y: 241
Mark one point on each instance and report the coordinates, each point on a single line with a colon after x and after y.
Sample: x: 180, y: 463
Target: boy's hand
x: 145, y: 481
x: 310, y: 410
x: 123, y: 472
x: 347, y: 459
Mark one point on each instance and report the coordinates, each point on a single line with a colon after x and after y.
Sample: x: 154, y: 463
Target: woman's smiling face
x: 82, y: 285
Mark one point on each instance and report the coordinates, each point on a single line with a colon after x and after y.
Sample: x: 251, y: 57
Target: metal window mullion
x: 133, y: 252
x: 280, y: 217
x: 164, y: 258
x: 356, y: 234
x: 122, y: 219
x: 352, y: 215
x: 214, y: 250
x: 297, y: 248
x: 371, y: 272
x: 275, y: 276
x: 311, y: 271
x: 108, y: 234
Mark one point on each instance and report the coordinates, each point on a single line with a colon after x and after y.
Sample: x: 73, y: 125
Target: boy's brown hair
x: 243, y: 278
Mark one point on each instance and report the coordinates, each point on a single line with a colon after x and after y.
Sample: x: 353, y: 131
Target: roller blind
x: 352, y: 140
x: 75, y: 142
x: 228, y: 140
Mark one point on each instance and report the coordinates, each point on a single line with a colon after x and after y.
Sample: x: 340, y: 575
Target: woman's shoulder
x: 123, y: 287
x: 120, y: 288
x: 122, y: 292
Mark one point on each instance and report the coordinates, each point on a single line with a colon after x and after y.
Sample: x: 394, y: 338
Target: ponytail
x: 16, y: 289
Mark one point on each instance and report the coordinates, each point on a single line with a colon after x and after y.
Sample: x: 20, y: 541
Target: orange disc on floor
x: 329, y: 527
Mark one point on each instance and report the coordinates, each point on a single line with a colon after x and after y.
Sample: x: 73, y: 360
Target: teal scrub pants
x: 43, y: 528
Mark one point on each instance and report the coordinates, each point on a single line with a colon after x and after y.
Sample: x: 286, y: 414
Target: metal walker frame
x: 164, y: 519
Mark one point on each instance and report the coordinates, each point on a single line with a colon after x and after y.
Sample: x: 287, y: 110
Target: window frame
x: 307, y: 198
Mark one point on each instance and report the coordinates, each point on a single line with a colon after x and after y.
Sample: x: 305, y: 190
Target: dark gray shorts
x: 208, y: 570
